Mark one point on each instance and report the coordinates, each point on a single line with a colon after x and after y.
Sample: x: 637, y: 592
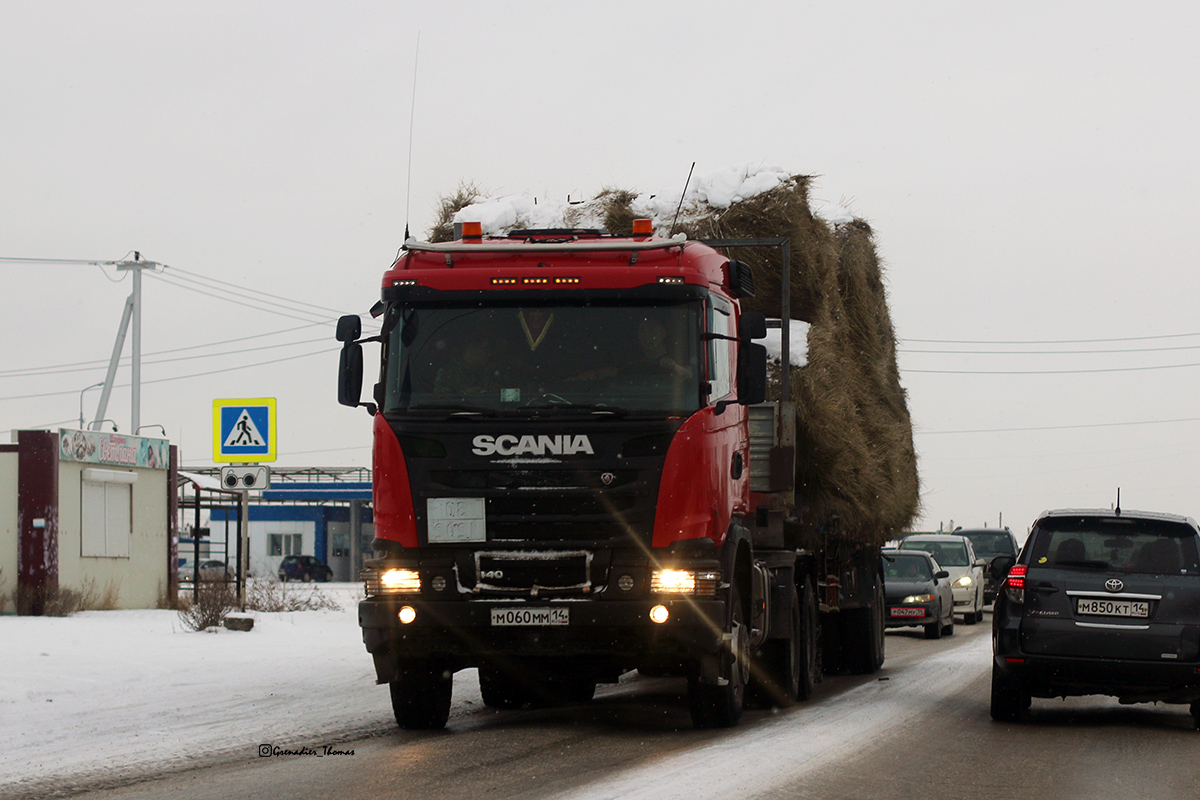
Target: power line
x: 1044, y: 371
x: 1052, y: 341
x: 180, y: 377
x: 1060, y: 427
x: 1050, y: 352
x: 198, y: 277
x: 256, y: 307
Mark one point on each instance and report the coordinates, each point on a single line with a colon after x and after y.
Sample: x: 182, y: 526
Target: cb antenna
x: 682, y: 195
x: 1118, y: 508
x: 411, y: 114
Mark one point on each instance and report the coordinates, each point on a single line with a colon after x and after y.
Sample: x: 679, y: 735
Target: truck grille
x: 527, y: 571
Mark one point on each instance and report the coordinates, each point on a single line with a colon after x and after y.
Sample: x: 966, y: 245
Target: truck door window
x: 720, y: 351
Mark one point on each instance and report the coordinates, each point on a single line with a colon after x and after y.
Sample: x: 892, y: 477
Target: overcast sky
x: 1030, y: 170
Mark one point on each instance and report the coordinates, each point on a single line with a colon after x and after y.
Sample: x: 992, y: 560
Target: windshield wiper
x: 594, y: 408
x: 453, y: 409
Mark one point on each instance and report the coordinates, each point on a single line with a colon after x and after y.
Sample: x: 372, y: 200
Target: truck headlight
x: 965, y: 580
x: 400, y: 580
x: 701, y: 583
x: 917, y: 598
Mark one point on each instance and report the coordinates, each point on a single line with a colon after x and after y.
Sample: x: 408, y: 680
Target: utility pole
x: 131, y: 314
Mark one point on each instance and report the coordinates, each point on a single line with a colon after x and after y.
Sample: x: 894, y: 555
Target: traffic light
x: 241, y: 479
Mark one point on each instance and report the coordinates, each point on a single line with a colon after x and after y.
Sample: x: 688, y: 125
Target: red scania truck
x: 576, y: 475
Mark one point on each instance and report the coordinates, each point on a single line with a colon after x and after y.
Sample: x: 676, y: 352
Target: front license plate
x: 531, y: 616
x: 908, y: 612
x: 1113, y: 608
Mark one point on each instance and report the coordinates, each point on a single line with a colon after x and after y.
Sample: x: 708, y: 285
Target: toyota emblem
x: 1113, y: 585
x: 607, y: 478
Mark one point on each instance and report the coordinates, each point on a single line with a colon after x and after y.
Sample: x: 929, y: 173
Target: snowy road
x: 299, y: 682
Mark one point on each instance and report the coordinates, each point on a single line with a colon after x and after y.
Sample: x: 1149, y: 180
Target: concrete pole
x: 136, y: 390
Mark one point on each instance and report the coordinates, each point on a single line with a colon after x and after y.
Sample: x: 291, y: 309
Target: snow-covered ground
x: 105, y: 693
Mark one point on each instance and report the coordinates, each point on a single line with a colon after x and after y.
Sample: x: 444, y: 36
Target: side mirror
x: 350, y: 374
x: 349, y: 328
x: 752, y: 374
x: 981, y: 562
x: 752, y: 325
x: 941, y: 574
x: 1000, y: 566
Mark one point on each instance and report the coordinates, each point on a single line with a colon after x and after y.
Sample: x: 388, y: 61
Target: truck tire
x: 721, y: 706
x: 862, y: 636
x: 776, y: 681
x: 810, y: 658
x: 421, y: 696
x: 501, y: 690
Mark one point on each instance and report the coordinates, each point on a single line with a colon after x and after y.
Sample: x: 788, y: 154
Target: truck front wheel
x: 421, y: 696
x: 720, y: 705
x: 501, y: 690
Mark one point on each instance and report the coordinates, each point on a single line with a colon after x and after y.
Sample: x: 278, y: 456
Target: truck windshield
x: 617, y: 358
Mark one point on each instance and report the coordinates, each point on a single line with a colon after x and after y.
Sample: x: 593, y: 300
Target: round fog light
x: 659, y: 614
x: 625, y: 583
x: 438, y: 583
x: 408, y: 614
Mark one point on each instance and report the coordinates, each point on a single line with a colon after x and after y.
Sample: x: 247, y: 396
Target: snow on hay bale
x: 855, y: 465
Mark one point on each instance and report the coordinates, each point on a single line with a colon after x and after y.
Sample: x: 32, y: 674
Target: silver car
x: 956, y: 555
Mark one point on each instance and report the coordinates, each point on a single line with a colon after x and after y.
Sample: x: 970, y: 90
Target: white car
x: 955, y: 555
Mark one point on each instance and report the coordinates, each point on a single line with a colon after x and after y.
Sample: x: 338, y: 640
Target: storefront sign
x: 96, y: 447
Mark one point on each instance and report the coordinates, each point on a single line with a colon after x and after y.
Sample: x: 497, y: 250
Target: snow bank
x: 107, y: 693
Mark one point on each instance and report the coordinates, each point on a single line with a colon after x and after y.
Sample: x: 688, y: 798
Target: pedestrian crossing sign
x: 244, y: 430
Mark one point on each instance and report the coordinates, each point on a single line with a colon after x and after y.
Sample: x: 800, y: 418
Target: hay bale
x: 856, y: 466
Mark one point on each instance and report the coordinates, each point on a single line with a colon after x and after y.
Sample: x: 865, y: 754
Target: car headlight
x: 400, y: 580
x: 917, y: 598
x: 701, y: 583
x: 965, y: 580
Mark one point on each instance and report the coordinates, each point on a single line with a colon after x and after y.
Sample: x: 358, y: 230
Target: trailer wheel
x: 500, y: 690
x: 421, y: 696
x: 863, y: 636
x: 720, y: 706
x: 810, y: 649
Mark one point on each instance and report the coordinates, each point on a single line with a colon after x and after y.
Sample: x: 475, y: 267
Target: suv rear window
x: 991, y: 544
x: 1124, y: 545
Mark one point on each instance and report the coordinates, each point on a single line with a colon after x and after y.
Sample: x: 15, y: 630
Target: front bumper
x: 460, y: 633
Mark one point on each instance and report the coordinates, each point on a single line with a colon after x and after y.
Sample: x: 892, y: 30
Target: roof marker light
x: 535, y: 280
x: 503, y: 281
x: 472, y: 230
x: 670, y: 279
x: 566, y: 280
x: 405, y: 282
x: 643, y: 227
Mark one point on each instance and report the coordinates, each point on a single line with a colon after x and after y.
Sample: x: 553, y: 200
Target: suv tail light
x: 1014, y: 584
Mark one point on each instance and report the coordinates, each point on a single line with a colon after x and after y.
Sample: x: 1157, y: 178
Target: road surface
x: 918, y: 729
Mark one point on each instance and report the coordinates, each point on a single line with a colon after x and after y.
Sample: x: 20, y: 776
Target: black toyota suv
x: 1099, y: 602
